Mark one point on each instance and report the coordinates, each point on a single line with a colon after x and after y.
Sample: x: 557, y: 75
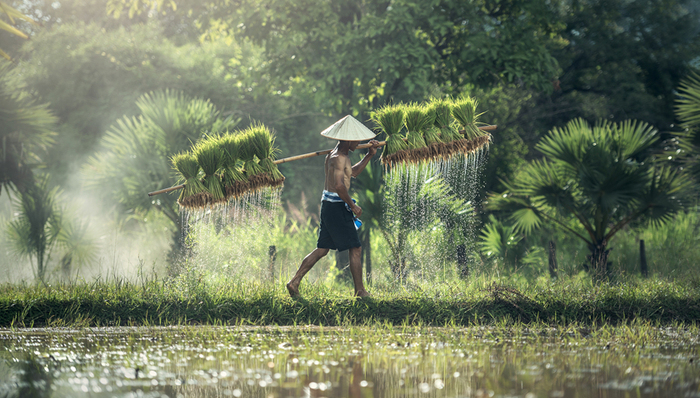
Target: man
x: 337, y: 230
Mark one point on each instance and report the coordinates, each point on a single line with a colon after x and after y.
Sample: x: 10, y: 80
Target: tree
x: 355, y: 54
x: 624, y: 59
x: 35, y: 232
x: 594, y: 181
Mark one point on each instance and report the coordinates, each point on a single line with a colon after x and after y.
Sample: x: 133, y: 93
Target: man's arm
x: 339, y: 183
x: 357, y: 169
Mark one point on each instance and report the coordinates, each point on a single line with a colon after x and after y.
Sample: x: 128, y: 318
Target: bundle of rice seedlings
x: 246, y: 152
x: 263, y: 142
x: 417, y: 120
x: 390, y: 120
x: 188, y: 168
x: 442, y: 108
x: 464, y: 111
x: 210, y: 158
x: 235, y: 182
x: 431, y: 134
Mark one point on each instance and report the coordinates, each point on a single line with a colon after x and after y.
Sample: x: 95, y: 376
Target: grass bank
x: 475, y: 302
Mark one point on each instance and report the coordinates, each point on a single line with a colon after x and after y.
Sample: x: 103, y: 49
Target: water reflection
x: 355, y: 363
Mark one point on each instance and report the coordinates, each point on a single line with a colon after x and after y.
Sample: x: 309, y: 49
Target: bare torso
x: 337, y: 161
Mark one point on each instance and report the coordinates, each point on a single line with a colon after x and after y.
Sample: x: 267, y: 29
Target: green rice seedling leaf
x: 263, y: 141
x: 416, y: 121
x: 210, y: 157
x: 464, y: 111
x: 231, y: 171
x: 246, y: 151
x: 442, y: 109
x: 390, y: 120
x: 188, y: 168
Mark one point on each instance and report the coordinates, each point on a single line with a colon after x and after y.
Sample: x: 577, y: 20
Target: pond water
x: 353, y: 362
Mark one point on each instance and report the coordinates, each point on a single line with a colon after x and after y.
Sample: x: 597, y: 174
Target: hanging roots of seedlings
x: 210, y: 158
x: 464, y: 111
x: 188, y: 168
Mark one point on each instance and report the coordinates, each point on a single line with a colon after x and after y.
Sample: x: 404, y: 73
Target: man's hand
x: 371, y: 151
x: 357, y: 210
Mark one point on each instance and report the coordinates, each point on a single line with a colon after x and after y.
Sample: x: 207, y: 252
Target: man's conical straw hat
x: 348, y: 129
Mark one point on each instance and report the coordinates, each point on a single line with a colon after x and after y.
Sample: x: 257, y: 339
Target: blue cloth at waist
x: 330, y: 197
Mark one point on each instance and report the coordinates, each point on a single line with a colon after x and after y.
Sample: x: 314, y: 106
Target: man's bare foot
x: 293, y: 289
x: 362, y: 293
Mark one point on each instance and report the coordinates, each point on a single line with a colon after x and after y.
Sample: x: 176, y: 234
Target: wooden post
x: 367, y: 251
x: 462, y: 261
x: 552, y: 260
x: 643, y: 259
x: 273, y: 256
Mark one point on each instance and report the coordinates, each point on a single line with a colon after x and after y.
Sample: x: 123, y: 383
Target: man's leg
x: 356, y: 271
x: 309, y: 261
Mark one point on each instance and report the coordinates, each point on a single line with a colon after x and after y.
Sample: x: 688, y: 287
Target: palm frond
x: 688, y: 103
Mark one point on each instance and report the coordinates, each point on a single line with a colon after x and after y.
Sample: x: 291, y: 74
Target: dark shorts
x: 337, y: 230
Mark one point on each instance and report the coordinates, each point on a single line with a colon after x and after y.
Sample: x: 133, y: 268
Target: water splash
x: 231, y: 239
x: 429, y: 215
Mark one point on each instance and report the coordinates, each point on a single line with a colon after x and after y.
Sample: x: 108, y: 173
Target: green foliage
x: 688, y: 103
x: 35, y: 231
x: 624, y: 59
x: 413, y: 46
x: 27, y: 132
x: 570, y: 303
x: 9, y: 13
x: 602, y: 176
x: 688, y: 111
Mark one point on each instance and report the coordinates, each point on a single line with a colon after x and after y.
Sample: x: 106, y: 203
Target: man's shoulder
x: 338, y: 158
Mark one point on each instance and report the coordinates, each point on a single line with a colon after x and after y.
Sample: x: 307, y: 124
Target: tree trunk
x: 552, y: 260
x: 643, y: 259
x: 598, y: 265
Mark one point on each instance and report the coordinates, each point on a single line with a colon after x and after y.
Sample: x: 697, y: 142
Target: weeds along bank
x: 482, y: 300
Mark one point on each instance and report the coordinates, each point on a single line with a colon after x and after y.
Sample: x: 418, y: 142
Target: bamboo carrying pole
x: 304, y: 156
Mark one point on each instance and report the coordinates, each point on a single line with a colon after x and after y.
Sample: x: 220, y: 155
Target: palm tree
x: 26, y: 130
x: 688, y: 112
x: 35, y: 232
x: 594, y: 181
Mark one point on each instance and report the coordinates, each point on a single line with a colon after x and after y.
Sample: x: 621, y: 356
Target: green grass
x: 193, y: 300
